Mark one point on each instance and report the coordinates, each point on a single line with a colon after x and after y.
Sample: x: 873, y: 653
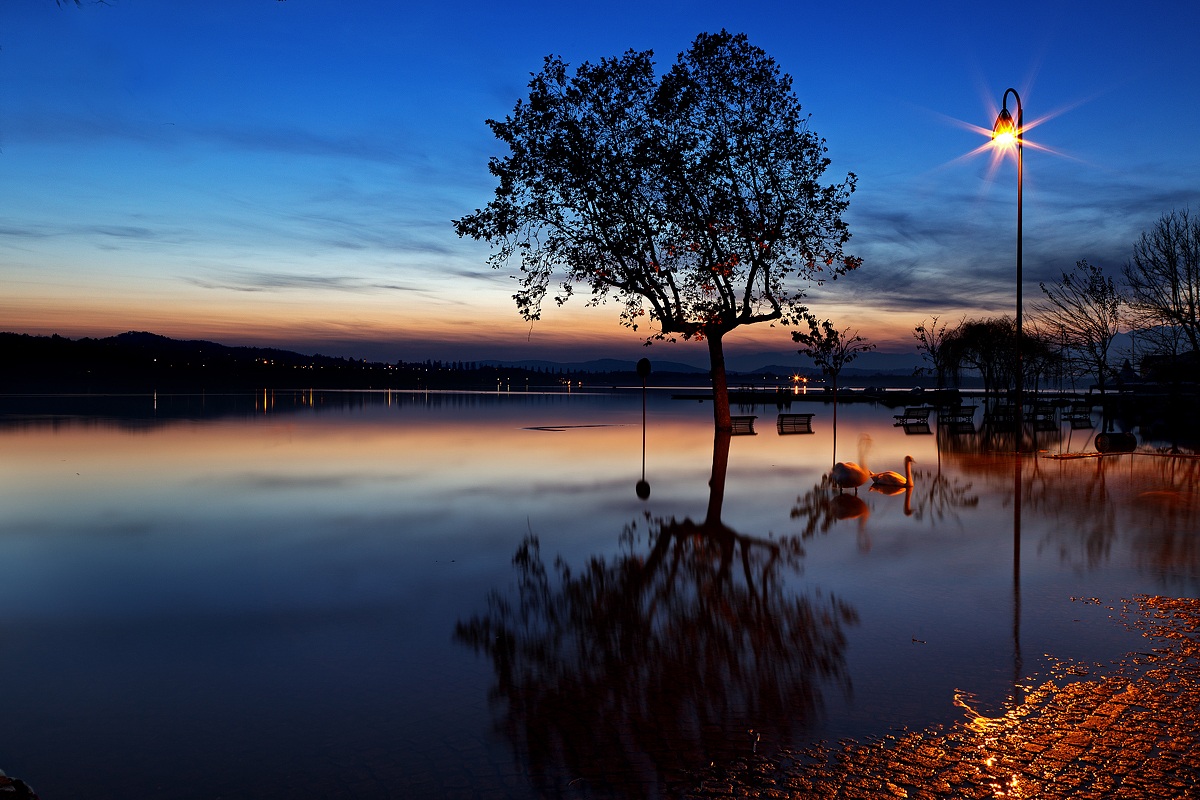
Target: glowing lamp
x: 1004, y: 132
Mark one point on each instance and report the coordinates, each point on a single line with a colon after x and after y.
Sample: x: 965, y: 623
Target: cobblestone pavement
x: 1130, y: 731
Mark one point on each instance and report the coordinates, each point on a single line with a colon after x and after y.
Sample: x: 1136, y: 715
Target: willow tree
x: 693, y: 200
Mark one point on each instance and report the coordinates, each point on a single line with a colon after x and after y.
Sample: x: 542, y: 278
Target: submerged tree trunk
x: 720, y: 384
x: 716, y: 482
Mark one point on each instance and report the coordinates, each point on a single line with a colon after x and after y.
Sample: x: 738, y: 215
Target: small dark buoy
x: 1115, y: 442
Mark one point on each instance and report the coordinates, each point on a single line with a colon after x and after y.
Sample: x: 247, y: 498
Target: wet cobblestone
x: 1131, y: 731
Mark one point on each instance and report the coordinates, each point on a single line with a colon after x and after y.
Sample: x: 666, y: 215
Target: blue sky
x: 285, y: 173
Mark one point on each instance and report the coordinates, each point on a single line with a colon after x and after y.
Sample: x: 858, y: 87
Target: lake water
x: 377, y: 595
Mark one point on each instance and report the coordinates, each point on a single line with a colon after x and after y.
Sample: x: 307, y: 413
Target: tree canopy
x: 694, y: 201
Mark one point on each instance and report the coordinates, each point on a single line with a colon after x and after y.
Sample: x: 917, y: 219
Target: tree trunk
x: 716, y: 482
x: 720, y: 384
x: 716, y: 530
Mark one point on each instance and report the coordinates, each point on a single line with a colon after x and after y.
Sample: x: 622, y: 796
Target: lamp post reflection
x: 1018, y: 661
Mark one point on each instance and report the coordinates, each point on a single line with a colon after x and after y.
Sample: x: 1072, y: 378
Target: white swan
x: 890, y: 478
x: 848, y: 475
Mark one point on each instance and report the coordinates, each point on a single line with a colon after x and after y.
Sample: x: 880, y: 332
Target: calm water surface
x: 397, y: 595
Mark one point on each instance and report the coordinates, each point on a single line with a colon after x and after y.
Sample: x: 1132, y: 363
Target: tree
x: 988, y: 346
x: 1163, y: 281
x: 829, y: 348
x: 931, y: 340
x: 1084, y: 307
x: 693, y: 201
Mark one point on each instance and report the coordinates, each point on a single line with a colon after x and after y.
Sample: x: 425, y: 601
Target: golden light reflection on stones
x: 1126, y: 730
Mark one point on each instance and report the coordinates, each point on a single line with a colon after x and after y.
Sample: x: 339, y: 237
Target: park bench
x: 913, y: 415
x: 794, y: 423
x: 1002, y: 418
x: 959, y: 419
x: 1044, y: 417
x: 956, y: 415
x: 1079, y: 415
x: 743, y: 424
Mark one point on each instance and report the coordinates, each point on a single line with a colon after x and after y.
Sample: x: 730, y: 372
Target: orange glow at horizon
x: 302, y: 320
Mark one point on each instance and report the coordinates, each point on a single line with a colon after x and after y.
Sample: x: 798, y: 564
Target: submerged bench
x: 1044, y: 417
x: 743, y: 424
x: 957, y: 415
x: 913, y: 415
x: 794, y: 423
x: 957, y: 419
x: 1002, y: 417
x: 1080, y: 416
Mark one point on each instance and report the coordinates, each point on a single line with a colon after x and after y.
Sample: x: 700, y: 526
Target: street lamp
x: 1007, y: 133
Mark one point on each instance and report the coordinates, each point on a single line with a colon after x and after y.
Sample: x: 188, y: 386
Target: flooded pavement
x: 1124, y: 730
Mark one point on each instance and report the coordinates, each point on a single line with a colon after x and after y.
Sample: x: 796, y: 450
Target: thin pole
x: 1020, y: 405
x: 1018, y: 660
x: 643, y: 370
x: 1020, y: 219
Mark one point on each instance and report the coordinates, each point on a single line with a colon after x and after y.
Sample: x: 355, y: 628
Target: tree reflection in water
x: 686, y: 648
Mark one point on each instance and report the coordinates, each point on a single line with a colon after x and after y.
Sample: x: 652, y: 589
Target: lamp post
x: 1006, y: 133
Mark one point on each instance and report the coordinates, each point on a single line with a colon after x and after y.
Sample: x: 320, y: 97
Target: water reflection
x: 184, y: 593
x: 684, y: 648
x: 1084, y: 504
x: 142, y: 411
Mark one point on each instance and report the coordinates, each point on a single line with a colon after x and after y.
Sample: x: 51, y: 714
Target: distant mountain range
x: 141, y: 361
x: 598, y: 365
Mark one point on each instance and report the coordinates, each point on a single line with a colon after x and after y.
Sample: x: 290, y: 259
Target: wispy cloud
x: 104, y: 129
x: 257, y: 281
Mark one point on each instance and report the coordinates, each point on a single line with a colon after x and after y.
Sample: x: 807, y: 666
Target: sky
x: 257, y: 172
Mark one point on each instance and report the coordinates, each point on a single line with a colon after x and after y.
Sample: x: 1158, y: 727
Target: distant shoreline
x: 146, y: 362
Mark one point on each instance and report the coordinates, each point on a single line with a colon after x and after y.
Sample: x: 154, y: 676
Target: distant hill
x: 140, y: 361
x: 606, y: 365
x: 847, y: 372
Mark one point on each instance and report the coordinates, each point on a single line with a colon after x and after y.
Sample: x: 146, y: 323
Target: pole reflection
x: 1018, y: 661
